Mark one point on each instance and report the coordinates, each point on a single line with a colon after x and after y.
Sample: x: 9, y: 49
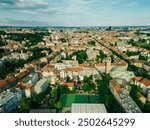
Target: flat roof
x: 5, y: 96
x: 88, y: 108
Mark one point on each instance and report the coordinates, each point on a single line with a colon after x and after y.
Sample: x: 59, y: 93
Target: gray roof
x: 88, y: 108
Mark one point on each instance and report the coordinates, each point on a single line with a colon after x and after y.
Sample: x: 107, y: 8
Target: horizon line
x: 75, y: 26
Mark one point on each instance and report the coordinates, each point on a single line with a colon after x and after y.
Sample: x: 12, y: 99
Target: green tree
x: 51, y: 103
x: 24, y: 105
x: 107, y: 98
x: 92, y: 42
x: 86, y: 79
x: 132, y: 53
x: 35, y: 101
x: 87, y: 87
x: 134, y: 90
x: 2, y: 42
x: 42, y: 95
x: 143, y: 58
x: 58, y: 105
x: 81, y: 56
x: 51, y: 39
x: 62, y: 89
x: 68, y: 79
x: 147, y: 107
x: 139, y: 103
x: 2, y: 72
x: 63, y: 40
x: 21, y: 63
x: 54, y: 95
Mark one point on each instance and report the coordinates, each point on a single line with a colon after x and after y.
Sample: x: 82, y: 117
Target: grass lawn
x: 67, y: 100
x: 143, y: 45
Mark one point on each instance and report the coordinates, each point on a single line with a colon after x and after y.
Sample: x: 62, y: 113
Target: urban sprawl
x: 75, y: 70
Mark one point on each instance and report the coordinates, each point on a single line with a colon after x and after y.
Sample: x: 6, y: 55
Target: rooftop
x: 2, y: 83
x: 5, y: 96
x: 146, y: 82
x: 88, y: 108
x: 70, y: 85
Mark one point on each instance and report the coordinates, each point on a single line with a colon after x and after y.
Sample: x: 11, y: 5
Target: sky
x: 74, y: 12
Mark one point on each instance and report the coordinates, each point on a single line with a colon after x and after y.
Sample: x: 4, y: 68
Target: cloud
x: 32, y: 6
x: 22, y: 22
x: 59, y: 7
x: 23, y: 4
x: 70, y: 12
x: 8, y: 1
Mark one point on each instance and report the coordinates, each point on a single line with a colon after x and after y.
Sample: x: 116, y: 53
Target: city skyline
x: 74, y: 13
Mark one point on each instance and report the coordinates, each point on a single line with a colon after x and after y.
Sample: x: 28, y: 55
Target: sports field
x: 67, y: 100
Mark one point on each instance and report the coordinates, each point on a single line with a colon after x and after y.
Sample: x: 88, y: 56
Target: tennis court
x: 67, y: 100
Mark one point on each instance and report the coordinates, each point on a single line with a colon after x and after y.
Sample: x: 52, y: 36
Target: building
x: 121, y: 93
x: 115, y: 88
x: 70, y: 85
x: 41, y: 86
x: 88, y: 108
x: 127, y: 75
x: 30, y: 79
x: 108, y: 66
x: 3, y: 85
x: 9, y: 100
x: 21, y: 55
x: 27, y: 89
x: 141, y: 97
x: 146, y: 66
x: 92, y: 54
x: 143, y: 83
x: 100, y: 67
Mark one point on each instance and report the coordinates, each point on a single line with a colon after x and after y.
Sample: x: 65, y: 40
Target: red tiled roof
x: 118, y: 89
x: 70, y: 85
x: 100, y: 64
x: 81, y: 65
x: 21, y: 75
x: 75, y: 69
x: 11, y: 79
x: 21, y: 86
x: 3, y: 83
x: 137, y: 78
x: 146, y: 82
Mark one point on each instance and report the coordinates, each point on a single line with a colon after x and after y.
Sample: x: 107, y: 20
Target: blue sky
x: 74, y: 12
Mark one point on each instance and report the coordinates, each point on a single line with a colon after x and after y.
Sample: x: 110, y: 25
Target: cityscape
x: 73, y: 68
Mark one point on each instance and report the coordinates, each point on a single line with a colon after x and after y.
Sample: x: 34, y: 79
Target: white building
x: 21, y: 55
x: 88, y: 108
x: 24, y: 56
x: 34, y: 78
x: 15, y: 56
x: 30, y: 79
x: 41, y: 86
x: 127, y: 75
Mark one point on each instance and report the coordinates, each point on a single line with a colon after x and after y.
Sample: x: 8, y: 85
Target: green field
x: 67, y: 100
x: 143, y: 45
x: 146, y: 46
